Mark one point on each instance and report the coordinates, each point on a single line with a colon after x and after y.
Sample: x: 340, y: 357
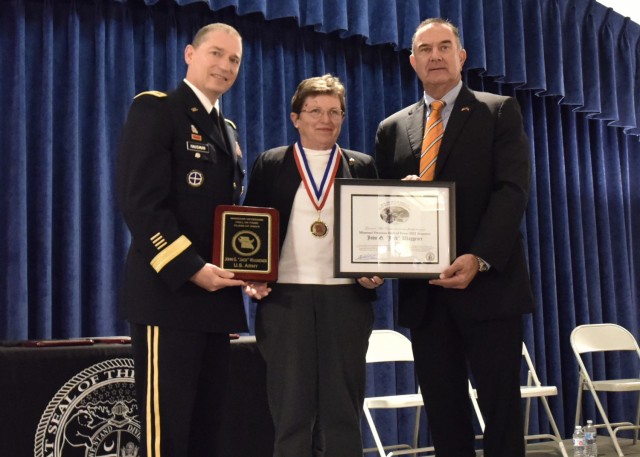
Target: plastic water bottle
x: 590, y: 435
x: 578, y: 443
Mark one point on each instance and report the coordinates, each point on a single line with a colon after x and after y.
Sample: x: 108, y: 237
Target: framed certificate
x: 246, y: 241
x: 393, y: 228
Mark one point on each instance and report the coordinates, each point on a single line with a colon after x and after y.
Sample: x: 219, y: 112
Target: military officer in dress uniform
x: 177, y: 161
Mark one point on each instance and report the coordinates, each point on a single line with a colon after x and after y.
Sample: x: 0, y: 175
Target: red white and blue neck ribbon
x: 318, y: 195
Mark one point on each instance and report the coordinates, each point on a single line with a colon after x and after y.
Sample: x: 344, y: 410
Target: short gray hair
x: 202, y: 33
x: 436, y: 20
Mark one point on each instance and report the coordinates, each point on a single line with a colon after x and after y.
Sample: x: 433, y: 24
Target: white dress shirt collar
x: 203, y: 98
x: 449, y: 99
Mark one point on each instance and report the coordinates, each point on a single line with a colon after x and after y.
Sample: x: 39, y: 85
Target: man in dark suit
x: 471, y: 316
x: 177, y: 162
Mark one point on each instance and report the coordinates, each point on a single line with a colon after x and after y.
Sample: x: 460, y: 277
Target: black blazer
x: 486, y: 153
x: 174, y: 168
x: 275, y: 179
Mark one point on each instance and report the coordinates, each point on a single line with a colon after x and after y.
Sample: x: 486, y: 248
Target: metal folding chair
x: 391, y: 346
x: 592, y: 338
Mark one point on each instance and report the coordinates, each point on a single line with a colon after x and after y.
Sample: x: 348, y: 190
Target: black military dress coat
x: 175, y: 166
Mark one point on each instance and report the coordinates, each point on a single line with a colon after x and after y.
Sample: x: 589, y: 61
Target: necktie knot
x: 437, y: 105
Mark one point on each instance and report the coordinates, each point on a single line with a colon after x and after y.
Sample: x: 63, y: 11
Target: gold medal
x: 319, y: 229
x: 318, y: 196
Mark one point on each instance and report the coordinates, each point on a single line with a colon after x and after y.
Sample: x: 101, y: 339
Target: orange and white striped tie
x: 431, y: 141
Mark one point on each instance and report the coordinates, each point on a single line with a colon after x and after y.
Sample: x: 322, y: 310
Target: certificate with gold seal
x: 393, y: 228
x: 246, y: 241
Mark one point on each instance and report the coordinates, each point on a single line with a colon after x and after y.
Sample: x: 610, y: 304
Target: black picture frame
x: 393, y: 228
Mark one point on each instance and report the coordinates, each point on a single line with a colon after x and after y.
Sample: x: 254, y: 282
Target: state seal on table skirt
x: 94, y: 414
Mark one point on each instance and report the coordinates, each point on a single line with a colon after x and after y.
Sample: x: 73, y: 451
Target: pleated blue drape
x: 69, y: 70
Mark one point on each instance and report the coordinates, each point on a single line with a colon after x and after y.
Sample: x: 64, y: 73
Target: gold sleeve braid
x: 169, y: 253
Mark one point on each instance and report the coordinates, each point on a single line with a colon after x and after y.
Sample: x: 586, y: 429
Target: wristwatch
x: 482, y: 265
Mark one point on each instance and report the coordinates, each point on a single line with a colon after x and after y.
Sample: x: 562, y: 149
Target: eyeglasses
x: 317, y: 113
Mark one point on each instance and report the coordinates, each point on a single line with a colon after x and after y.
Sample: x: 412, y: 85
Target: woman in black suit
x: 311, y: 327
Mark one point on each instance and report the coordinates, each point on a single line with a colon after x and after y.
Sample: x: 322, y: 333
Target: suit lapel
x: 289, y: 180
x: 344, y: 170
x: 228, y: 135
x: 415, y: 128
x: 462, y: 109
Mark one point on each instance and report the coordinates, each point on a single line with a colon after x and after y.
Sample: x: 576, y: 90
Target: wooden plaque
x: 246, y: 241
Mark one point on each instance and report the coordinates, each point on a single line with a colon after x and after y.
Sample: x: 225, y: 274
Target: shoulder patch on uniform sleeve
x: 155, y: 93
x: 231, y: 124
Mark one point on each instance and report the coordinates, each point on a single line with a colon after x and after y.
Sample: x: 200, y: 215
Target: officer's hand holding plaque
x: 246, y: 241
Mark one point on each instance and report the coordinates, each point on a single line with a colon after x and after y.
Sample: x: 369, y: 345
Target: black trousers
x: 181, y: 380
x: 445, y: 348
x: 314, y: 340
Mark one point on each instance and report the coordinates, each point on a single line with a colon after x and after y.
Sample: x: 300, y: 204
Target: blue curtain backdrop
x: 69, y: 70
